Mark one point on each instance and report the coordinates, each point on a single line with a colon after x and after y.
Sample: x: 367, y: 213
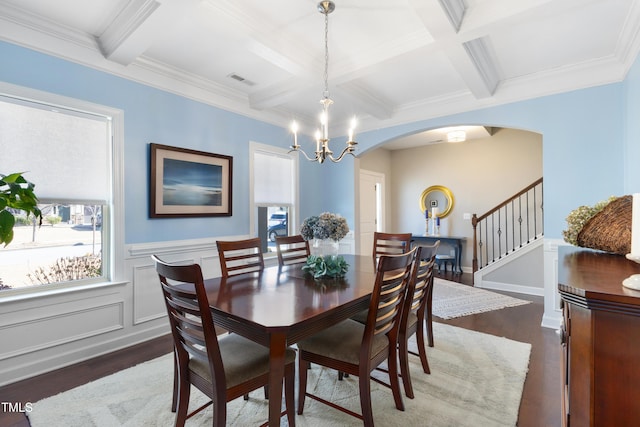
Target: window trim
x: 115, y: 228
x: 294, y: 208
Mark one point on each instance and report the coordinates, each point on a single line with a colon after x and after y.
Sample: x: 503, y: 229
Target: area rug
x: 476, y: 380
x: 452, y: 300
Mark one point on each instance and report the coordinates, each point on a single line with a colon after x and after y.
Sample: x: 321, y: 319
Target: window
x: 66, y: 148
x: 274, y: 193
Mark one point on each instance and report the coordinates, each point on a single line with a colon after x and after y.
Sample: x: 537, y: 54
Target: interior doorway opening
x: 372, y: 209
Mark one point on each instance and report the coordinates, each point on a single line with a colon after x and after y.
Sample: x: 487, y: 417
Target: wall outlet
x: 466, y: 216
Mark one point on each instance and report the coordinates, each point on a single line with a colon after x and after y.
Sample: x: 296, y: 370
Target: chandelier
x: 323, y: 151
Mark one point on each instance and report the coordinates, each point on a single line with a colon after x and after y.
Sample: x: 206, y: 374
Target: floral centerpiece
x: 327, y: 225
x: 325, y: 230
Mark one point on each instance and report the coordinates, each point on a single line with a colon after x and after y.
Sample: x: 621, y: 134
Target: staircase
x: 509, y: 230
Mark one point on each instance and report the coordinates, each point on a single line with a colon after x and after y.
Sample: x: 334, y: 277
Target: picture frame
x: 189, y: 183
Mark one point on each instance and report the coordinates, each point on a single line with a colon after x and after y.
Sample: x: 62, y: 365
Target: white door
x: 371, y: 208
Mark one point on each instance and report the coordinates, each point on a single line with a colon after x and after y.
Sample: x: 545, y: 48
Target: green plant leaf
x: 7, y: 221
x: 16, y: 193
x: 329, y: 266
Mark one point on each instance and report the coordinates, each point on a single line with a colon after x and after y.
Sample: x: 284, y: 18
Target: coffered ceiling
x: 391, y: 61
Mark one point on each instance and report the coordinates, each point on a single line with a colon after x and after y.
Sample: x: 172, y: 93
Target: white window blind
x: 64, y: 153
x: 273, y: 179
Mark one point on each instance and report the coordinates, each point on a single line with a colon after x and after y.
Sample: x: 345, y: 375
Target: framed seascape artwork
x: 189, y: 183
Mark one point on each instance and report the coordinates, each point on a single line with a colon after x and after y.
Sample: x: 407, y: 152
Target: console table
x: 600, y: 339
x: 454, y: 241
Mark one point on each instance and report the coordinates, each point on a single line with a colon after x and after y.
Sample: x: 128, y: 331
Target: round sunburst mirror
x: 438, y: 197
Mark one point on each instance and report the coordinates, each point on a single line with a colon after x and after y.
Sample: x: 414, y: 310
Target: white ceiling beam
x: 484, y: 63
x: 135, y: 28
x: 471, y: 61
x: 341, y: 73
x: 455, y: 10
x: 296, y: 60
x: 280, y: 50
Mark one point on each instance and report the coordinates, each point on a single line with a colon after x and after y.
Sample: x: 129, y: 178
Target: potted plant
x: 15, y: 193
x: 325, y: 230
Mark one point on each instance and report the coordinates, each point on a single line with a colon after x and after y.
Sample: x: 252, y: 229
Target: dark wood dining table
x: 280, y: 306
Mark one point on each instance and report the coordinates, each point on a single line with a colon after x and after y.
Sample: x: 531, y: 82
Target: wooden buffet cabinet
x: 600, y: 339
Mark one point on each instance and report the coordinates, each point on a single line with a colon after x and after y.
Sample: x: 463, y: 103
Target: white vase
x: 325, y: 247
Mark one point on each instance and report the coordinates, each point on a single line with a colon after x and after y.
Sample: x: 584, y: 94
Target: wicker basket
x: 610, y: 229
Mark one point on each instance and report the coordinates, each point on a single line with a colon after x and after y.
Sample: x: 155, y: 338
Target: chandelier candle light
x: 322, y: 135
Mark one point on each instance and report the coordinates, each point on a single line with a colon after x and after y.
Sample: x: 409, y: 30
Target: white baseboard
x: 508, y: 287
x: 552, y: 321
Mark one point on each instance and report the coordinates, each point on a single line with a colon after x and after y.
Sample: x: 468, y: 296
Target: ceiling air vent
x: 241, y: 79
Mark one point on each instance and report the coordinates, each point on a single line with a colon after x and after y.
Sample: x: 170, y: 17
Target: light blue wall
x: 331, y: 186
x: 632, y: 129
x: 583, y: 144
x: 152, y: 115
x: 589, y: 147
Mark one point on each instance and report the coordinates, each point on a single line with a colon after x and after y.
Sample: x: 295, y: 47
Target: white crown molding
x: 16, y: 23
x: 628, y: 44
x: 125, y: 24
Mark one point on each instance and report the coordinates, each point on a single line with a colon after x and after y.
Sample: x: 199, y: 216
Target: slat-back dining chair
x: 240, y: 256
x: 417, y: 305
x: 358, y: 349
x: 222, y: 368
x: 390, y: 243
x: 292, y: 250
x: 416, y: 312
x: 383, y: 244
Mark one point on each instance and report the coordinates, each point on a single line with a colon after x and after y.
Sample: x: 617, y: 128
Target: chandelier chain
x: 326, y: 55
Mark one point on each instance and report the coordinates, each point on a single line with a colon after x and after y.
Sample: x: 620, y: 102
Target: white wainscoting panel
x: 148, y: 304
x: 45, y: 330
x: 41, y: 333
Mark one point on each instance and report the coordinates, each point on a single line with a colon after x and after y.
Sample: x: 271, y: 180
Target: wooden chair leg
x: 184, y: 391
x: 219, y: 411
x: 342, y: 375
x: 266, y: 393
x: 289, y: 394
x: 404, y: 368
x: 302, y: 382
x: 430, y: 316
x: 174, y: 402
x: 422, y: 351
x: 365, y: 399
x: 393, y: 378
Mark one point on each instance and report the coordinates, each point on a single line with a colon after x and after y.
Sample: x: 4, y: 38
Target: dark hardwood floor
x: 540, y: 406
